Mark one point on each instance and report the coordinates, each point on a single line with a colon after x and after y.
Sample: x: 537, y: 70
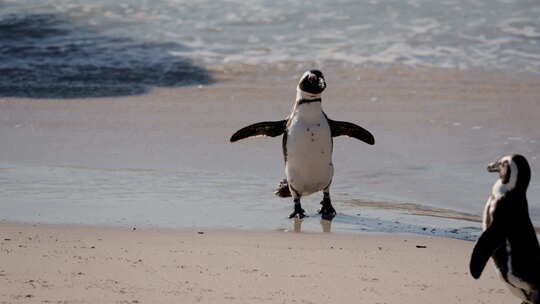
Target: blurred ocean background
x: 68, y: 48
x: 60, y: 49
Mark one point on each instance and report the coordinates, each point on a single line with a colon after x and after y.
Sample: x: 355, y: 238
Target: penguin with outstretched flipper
x: 307, y: 144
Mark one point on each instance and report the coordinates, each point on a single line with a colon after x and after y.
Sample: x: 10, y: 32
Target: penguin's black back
x: 521, y: 238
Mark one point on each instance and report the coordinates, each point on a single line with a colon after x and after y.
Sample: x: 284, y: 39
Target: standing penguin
x: 307, y: 144
x: 509, y: 236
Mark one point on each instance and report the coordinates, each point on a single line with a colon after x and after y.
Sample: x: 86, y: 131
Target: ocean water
x: 70, y: 48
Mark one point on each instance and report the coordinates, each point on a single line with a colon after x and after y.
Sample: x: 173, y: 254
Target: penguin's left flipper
x: 491, y: 239
x: 340, y: 128
x: 266, y: 128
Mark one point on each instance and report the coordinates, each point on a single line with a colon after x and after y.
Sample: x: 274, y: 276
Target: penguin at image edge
x: 508, y: 234
x: 307, y: 144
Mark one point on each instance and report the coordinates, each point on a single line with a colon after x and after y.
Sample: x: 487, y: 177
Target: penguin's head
x: 514, y: 171
x: 312, y: 82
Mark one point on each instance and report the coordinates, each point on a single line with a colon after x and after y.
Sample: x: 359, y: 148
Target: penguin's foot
x: 328, y: 216
x: 327, y: 211
x: 298, y: 213
x: 282, y: 189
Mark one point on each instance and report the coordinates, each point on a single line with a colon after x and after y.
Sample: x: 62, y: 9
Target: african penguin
x: 509, y: 236
x: 307, y: 144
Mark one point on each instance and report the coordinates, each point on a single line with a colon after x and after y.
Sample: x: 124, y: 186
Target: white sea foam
x: 436, y: 33
x: 521, y: 27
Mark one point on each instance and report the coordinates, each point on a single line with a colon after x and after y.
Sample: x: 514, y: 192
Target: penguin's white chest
x: 309, y: 165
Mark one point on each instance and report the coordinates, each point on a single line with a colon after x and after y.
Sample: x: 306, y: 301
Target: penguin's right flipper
x: 266, y: 128
x: 340, y: 128
x: 490, y: 240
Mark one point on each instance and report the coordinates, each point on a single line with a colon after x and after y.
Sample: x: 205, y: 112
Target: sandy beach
x: 163, y: 160
x: 75, y: 264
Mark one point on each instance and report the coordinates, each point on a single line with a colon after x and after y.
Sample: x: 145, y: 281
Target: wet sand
x: 164, y: 158
x: 75, y: 264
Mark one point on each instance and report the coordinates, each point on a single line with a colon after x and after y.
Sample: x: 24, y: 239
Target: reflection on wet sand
x: 326, y: 224
x: 297, y: 224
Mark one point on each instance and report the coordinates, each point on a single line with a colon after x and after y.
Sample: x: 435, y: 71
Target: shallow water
x: 237, y: 194
x: 186, y: 200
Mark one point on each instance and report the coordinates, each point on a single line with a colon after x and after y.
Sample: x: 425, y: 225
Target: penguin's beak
x: 322, y: 84
x: 494, y: 167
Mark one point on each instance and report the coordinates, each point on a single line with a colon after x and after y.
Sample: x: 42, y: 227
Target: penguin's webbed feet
x: 298, y: 212
x: 327, y: 211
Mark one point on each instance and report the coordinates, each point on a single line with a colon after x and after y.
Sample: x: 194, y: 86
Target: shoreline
x: 372, y: 218
x: 48, y: 264
x: 151, y: 159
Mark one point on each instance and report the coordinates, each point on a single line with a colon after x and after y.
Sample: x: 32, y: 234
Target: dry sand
x: 74, y: 264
